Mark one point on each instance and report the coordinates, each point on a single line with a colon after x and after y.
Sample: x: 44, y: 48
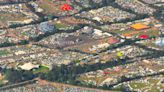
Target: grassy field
x: 153, y: 81
x: 6, y: 17
x: 3, y: 52
x: 60, y: 25
x: 137, y: 85
x: 151, y: 85
x: 121, y: 32
x: 41, y: 69
x: 153, y: 89
x: 48, y: 6
x: 149, y: 32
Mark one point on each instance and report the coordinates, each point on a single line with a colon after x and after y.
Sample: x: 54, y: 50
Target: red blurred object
x: 66, y: 7
x: 106, y: 72
x: 143, y: 36
x: 112, y: 40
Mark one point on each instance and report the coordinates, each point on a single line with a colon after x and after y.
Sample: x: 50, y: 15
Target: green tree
x: 13, y: 76
x: 50, y: 17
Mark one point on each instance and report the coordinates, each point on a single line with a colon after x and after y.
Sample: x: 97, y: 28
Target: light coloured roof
x: 139, y: 26
x: 28, y: 66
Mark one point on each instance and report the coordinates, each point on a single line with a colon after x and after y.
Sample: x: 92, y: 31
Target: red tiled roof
x: 113, y: 40
x: 106, y: 72
x: 143, y: 36
x: 65, y: 7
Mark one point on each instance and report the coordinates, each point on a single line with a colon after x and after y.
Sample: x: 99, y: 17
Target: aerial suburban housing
x: 81, y: 45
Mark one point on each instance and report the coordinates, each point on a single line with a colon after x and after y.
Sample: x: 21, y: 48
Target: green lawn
x: 48, y: 6
x: 154, y: 89
x: 41, y: 69
x: 1, y: 81
x: 60, y: 25
x: 3, y: 52
x: 137, y: 85
x: 121, y: 32
x: 153, y: 81
x: 76, y: 61
x: 26, y: 34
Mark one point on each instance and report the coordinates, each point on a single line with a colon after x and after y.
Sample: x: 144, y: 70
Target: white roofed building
x: 28, y: 66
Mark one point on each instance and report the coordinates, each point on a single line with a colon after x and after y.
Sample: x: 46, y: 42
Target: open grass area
x: 153, y: 81
x: 2, y: 78
x: 151, y: 85
x: 41, y: 69
x: 48, y: 6
x: 149, y: 32
x: 54, y: 7
x: 1, y: 82
x: 153, y: 89
x: 10, y: 16
x: 121, y: 32
x: 162, y: 86
x: 3, y: 52
x: 137, y: 85
x: 6, y: 17
x: 60, y: 25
